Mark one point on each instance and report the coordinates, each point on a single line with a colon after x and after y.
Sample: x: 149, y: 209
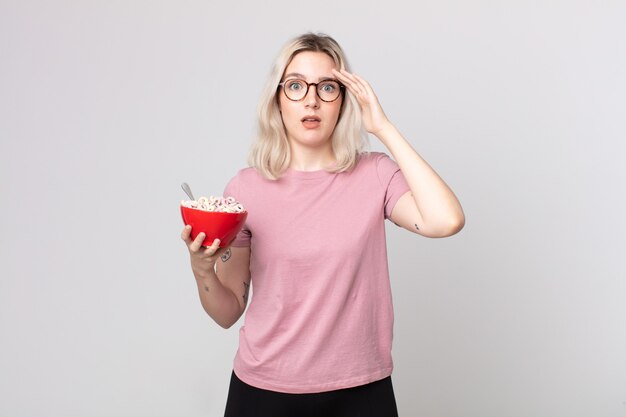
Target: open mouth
x: 311, y: 122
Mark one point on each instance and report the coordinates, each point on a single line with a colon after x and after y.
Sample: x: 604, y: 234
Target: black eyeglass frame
x: 308, y: 85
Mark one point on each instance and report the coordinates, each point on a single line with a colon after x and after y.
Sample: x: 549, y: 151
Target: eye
x: 329, y: 86
x: 295, y: 85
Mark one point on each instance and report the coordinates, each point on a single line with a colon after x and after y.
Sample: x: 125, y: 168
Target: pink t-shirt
x: 320, y: 317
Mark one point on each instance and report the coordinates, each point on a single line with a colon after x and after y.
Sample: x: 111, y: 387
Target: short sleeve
x: 233, y: 190
x: 392, y: 180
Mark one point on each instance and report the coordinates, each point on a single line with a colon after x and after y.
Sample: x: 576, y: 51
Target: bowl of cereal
x: 217, y: 217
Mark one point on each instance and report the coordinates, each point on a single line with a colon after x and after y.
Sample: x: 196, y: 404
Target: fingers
x: 345, y: 78
x: 357, y: 86
x: 186, y: 234
x: 197, y: 242
x: 210, y: 250
x: 355, y: 83
x: 209, y: 253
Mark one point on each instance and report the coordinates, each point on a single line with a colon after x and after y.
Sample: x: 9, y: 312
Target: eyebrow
x: 298, y: 75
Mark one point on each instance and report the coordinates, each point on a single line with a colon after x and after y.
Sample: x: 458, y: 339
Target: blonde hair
x: 270, y: 153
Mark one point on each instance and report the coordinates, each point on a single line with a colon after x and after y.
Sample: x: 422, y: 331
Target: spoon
x: 187, y: 190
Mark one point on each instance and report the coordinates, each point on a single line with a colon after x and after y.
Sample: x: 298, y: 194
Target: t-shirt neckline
x: 320, y: 173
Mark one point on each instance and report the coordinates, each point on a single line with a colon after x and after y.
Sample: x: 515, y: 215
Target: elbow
x: 226, y: 323
x: 453, y: 226
x: 458, y: 224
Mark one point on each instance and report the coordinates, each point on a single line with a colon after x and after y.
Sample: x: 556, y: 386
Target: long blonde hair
x: 270, y: 153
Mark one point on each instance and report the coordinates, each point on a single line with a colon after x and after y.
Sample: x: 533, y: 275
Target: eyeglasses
x: 296, y: 90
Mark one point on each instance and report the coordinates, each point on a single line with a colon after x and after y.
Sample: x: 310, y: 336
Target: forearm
x: 437, y: 204
x: 220, y: 303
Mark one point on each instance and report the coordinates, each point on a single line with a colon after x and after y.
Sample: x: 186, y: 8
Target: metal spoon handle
x: 187, y: 190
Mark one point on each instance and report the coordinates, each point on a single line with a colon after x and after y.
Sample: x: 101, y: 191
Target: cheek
x: 336, y: 112
x: 287, y: 115
x: 285, y: 105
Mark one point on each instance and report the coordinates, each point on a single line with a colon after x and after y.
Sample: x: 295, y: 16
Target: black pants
x: 371, y: 400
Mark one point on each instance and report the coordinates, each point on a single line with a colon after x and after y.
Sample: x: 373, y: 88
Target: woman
x: 317, y: 335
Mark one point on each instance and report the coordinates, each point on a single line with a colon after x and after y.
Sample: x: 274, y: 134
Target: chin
x: 315, y: 141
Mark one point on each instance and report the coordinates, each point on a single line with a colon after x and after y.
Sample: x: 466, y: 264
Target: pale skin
x: 430, y: 209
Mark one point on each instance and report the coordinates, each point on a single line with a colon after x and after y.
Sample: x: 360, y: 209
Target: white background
x: 107, y: 106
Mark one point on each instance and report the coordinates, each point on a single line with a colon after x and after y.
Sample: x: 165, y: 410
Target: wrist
x: 203, y: 274
x: 385, y: 130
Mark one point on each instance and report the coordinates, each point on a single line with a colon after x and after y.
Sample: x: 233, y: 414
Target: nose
x: 311, y: 99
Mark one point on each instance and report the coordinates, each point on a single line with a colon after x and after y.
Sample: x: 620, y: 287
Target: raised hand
x: 374, y: 118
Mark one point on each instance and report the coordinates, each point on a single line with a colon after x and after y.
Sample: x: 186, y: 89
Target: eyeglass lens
x: 326, y: 90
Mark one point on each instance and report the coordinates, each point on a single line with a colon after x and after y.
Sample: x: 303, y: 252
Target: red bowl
x: 215, y: 224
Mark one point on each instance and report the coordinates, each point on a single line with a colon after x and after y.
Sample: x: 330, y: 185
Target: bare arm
x: 223, y: 290
x: 431, y: 208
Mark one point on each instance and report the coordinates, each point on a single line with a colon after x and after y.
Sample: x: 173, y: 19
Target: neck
x: 311, y: 159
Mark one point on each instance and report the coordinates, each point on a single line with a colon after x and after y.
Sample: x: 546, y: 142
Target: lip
x: 311, y: 118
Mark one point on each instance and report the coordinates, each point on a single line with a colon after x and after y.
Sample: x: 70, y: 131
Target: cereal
x: 219, y: 204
